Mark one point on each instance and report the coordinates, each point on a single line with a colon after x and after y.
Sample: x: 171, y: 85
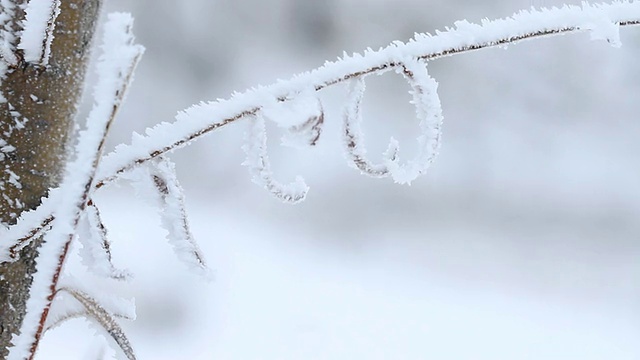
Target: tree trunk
x: 36, y: 121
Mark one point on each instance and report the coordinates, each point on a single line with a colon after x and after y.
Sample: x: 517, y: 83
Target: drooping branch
x: 96, y: 247
x: 601, y: 20
x: 169, y: 197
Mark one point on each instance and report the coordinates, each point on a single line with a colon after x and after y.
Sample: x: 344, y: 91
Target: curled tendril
x: 428, y: 110
x: 353, y: 137
x: 424, y: 90
x: 260, y: 167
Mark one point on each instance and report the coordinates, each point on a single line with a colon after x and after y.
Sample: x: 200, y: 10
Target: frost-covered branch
x: 602, y: 21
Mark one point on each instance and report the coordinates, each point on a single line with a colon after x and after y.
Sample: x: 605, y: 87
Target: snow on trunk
x: 38, y: 27
x: 7, y: 34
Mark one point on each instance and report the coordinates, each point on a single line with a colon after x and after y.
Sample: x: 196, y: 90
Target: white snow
x: 603, y: 29
x: 38, y: 28
x: 7, y: 36
x: 302, y: 116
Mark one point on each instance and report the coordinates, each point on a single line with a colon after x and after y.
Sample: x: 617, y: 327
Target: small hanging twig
x: 174, y: 215
x: 353, y: 139
x: 260, y: 168
x: 96, y: 247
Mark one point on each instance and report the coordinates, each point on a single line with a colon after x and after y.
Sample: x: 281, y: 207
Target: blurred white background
x: 520, y: 243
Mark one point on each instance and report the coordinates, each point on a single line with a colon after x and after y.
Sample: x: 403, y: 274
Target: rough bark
x: 37, y: 120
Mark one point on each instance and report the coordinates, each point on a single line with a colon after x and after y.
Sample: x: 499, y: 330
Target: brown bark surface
x: 36, y: 122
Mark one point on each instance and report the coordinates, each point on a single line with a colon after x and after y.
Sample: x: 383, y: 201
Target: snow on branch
x: 602, y: 21
x: 115, y: 69
x: 302, y: 116
x: 38, y: 27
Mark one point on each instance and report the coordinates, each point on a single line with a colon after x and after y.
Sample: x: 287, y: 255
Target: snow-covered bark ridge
x: 115, y: 67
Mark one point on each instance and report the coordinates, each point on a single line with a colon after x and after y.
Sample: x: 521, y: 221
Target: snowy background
x: 521, y: 243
